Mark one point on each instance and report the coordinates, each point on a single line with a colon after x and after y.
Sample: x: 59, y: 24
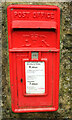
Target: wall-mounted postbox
x: 34, y: 39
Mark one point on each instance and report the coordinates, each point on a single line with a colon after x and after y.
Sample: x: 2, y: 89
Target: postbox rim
x: 34, y: 6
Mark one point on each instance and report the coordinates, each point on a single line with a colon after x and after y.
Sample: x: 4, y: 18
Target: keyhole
x: 21, y: 80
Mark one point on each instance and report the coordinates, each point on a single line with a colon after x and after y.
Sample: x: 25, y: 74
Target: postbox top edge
x: 34, y: 6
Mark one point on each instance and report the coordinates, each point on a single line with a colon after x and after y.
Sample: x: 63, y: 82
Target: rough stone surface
x: 64, y: 111
x: 0, y: 62
x: 36, y: 1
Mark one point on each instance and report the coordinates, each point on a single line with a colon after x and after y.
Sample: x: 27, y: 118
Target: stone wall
x: 0, y: 62
x: 64, y: 111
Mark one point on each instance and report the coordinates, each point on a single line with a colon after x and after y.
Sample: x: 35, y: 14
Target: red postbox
x: 34, y: 45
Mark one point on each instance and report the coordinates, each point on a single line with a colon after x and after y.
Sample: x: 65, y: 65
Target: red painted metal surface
x: 33, y: 28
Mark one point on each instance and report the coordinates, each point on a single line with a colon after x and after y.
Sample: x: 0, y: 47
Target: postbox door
x: 36, y: 100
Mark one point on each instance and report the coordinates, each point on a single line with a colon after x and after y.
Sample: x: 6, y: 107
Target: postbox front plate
x: 33, y: 38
